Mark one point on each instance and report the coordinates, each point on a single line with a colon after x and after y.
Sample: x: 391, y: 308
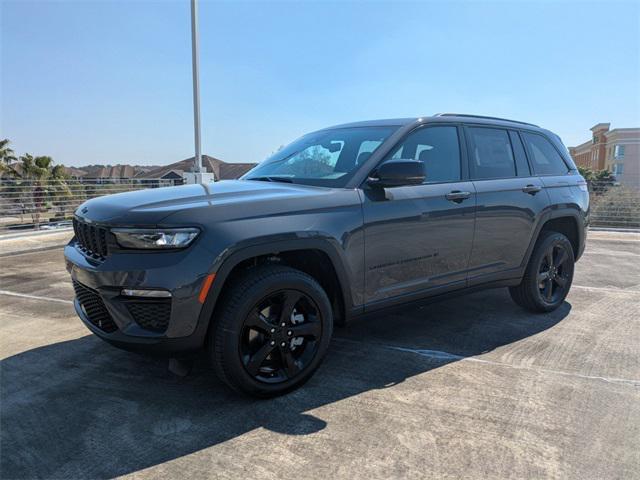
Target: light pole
x: 199, y: 175
x: 195, y: 62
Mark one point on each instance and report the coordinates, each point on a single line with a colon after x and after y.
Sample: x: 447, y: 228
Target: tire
x: 548, y: 276
x: 253, y: 343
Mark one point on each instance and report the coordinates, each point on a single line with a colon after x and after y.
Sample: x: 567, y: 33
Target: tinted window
x: 545, y: 159
x: 438, y: 148
x: 522, y: 167
x: 491, y: 155
x: 327, y: 158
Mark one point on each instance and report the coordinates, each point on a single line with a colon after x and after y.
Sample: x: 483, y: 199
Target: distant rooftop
x: 221, y: 170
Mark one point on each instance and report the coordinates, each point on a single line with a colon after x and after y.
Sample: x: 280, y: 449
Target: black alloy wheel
x: 553, y: 273
x: 271, y: 330
x: 548, y: 275
x: 280, y: 336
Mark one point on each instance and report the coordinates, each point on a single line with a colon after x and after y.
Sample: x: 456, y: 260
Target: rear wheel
x: 272, y: 331
x: 549, y: 274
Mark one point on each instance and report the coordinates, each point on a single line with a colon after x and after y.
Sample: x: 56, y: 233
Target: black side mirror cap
x: 398, y: 173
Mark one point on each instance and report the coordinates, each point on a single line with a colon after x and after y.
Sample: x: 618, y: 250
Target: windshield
x: 327, y: 158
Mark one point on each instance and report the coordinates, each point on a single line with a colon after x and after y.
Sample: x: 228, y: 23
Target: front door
x: 418, y: 238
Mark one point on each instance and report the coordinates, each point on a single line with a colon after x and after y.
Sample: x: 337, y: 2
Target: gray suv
x: 343, y: 221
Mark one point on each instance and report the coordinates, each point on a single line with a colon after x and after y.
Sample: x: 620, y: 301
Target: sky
x: 110, y: 81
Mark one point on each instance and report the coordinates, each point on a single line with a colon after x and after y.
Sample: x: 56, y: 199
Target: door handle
x: 532, y: 189
x: 457, y: 196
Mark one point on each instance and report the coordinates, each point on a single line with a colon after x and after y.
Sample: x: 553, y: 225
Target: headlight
x: 155, y: 238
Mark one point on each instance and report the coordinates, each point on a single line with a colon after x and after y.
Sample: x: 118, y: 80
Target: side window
x: 491, y: 155
x: 545, y: 159
x: 438, y: 148
x: 522, y: 167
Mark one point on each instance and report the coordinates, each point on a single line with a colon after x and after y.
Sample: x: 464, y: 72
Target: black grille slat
x: 92, y: 240
x: 153, y: 316
x: 94, y: 308
x: 102, y: 240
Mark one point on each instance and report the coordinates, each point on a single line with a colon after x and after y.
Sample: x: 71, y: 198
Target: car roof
x: 389, y: 122
x: 438, y: 118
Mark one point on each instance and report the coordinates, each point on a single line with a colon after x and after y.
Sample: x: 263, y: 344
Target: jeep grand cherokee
x: 342, y: 222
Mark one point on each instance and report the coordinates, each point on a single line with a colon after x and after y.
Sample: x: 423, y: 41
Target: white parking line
x: 604, y: 289
x: 437, y: 355
x: 35, y: 297
x: 452, y: 357
x: 609, y: 253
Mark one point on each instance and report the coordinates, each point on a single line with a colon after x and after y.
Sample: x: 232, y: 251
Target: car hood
x: 152, y: 206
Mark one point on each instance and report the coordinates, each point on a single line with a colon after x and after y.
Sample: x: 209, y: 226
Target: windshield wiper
x: 272, y: 179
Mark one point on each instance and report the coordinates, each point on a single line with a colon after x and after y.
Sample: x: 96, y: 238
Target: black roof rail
x: 466, y: 115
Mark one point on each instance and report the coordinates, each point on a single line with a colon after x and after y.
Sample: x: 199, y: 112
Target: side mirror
x: 396, y: 173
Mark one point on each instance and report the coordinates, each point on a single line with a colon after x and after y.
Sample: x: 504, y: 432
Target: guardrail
x: 49, y: 205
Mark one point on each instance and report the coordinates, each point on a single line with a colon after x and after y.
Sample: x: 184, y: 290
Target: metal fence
x: 614, y: 205
x: 49, y: 205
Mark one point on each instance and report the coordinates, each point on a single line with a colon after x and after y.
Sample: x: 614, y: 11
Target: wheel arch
x: 568, y: 226
x: 318, y: 257
x: 568, y: 221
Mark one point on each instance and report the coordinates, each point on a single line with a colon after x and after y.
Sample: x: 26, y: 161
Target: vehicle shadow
x: 83, y: 409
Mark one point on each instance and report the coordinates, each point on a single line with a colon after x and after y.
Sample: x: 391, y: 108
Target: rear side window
x: 438, y: 148
x: 545, y: 159
x: 491, y: 155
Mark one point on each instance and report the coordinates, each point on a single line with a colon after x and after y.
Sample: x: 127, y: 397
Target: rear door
x: 418, y: 238
x: 510, y: 199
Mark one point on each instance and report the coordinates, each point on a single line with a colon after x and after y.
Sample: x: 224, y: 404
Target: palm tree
x: 6, y: 154
x: 39, y: 185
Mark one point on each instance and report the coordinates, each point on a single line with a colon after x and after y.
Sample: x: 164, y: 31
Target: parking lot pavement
x: 472, y: 387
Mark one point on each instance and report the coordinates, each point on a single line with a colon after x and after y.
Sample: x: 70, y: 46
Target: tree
x: 599, y: 180
x: 40, y: 184
x: 6, y: 154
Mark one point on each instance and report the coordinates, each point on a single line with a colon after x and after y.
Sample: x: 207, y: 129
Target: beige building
x: 616, y: 150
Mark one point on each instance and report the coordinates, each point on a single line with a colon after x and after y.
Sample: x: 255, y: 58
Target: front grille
x: 153, y: 316
x: 92, y: 240
x: 94, y: 308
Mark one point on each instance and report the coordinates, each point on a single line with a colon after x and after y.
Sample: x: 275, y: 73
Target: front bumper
x: 131, y: 323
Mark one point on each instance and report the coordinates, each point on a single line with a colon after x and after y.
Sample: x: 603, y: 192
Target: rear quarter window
x: 544, y: 158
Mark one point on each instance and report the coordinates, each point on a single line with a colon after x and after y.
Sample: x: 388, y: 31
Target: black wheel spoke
x: 258, y: 321
x: 258, y: 358
x: 291, y: 297
x: 543, y: 277
x: 561, y: 257
x: 549, y: 258
x: 548, y: 290
x: 307, y: 329
x: 289, y: 363
x: 561, y: 281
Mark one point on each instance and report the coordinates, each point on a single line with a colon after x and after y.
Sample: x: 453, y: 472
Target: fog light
x: 145, y: 293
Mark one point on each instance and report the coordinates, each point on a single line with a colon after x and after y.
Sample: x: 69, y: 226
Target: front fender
x: 285, y: 242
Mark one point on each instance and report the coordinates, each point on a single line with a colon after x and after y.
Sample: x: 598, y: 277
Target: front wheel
x: 272, y: 331
x: 548, y: 276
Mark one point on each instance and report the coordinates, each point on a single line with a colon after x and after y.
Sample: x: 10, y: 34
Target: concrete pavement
x: 472, y: 387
